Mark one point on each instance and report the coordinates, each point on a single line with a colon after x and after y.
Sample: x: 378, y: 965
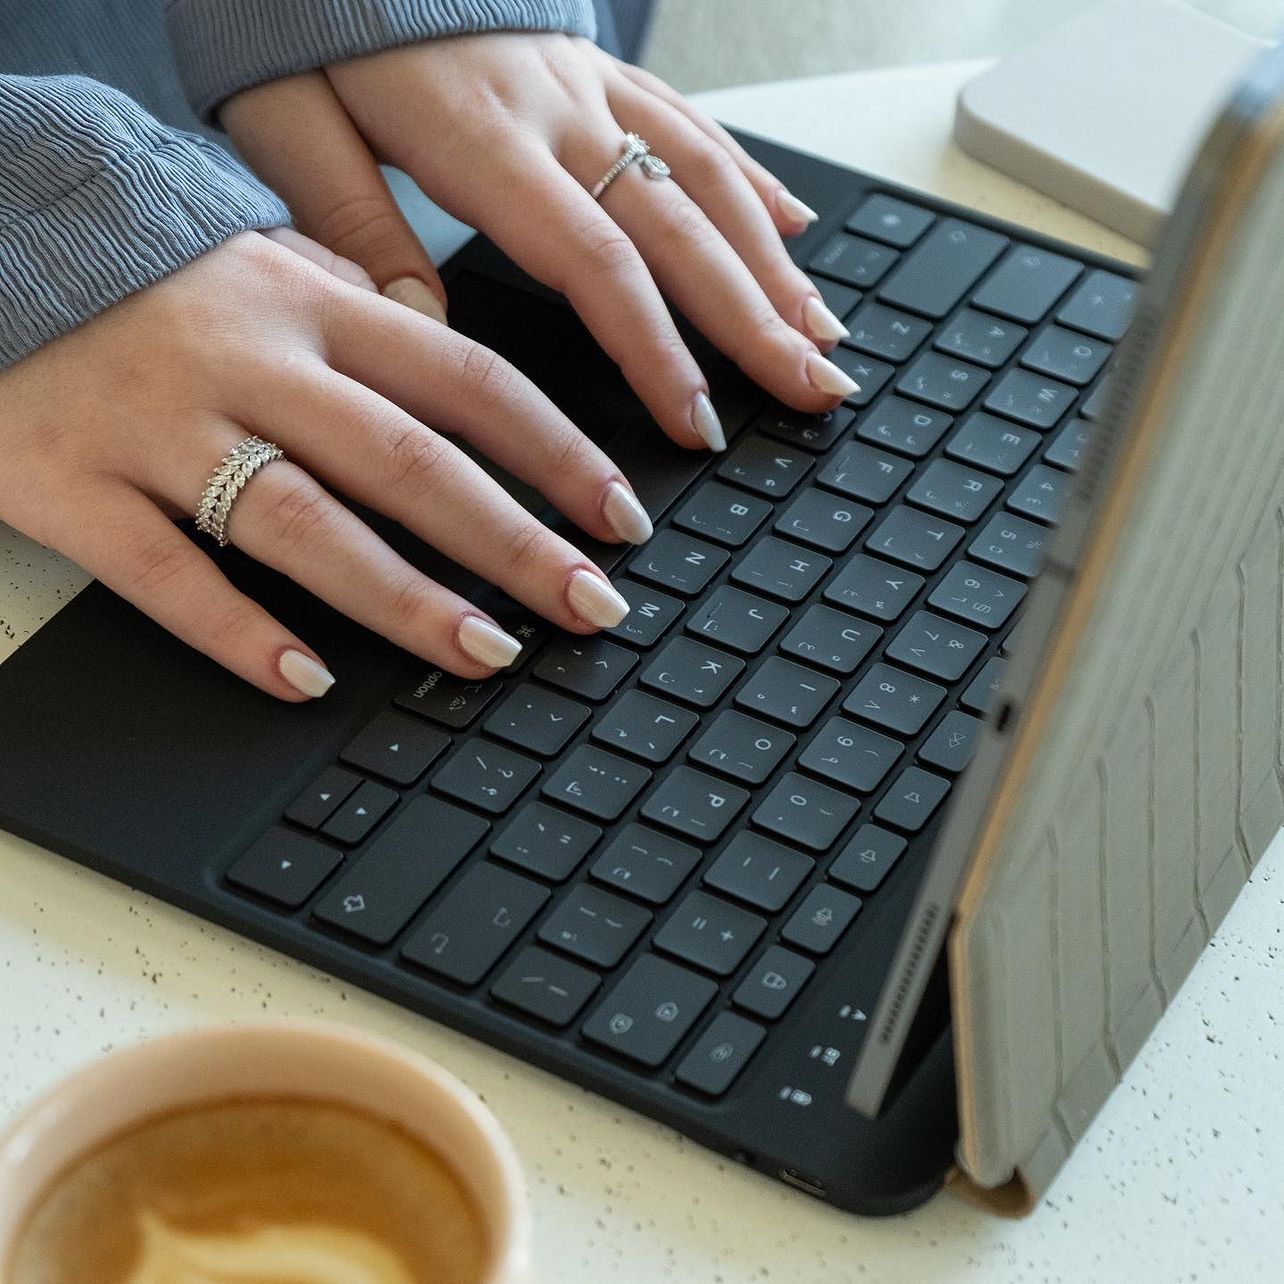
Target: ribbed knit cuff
x: 223, y: 46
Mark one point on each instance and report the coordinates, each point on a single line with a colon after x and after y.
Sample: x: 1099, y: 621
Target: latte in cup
x: 254, y: 1191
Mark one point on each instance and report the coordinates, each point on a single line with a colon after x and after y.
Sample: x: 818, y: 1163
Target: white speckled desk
x: 1180, y: 1177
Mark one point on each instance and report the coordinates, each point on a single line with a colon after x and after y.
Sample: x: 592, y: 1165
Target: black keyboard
x: 655, y: 839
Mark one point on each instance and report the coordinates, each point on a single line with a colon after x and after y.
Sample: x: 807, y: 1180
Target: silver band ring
x: 228, y: 480
x: 634, y: 149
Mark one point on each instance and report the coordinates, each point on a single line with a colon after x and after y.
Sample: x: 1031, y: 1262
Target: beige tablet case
x: 1140, y: 775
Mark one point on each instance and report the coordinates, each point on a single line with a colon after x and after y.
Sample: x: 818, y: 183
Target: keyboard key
x: 360, y: 812
x: 648, y: 728
x: 809, y: 432
x: 316, y: 804
x: 1063, y: 354
x: 1041, y: 493
x: 819, y: 922
x: 724, y: 515
x: 851, y: 755
x: 719, y: 1054
x: 954, y: 491
x: 883, y: 332
x: 649, y: 1010
x: 781, y: 569
x: 867, y: 858
x: 598, y: 783
x: 831, y: 639
x: 694, y: 804
x: 594, y: 925
x: 787, y: 692
x: 1095, y: 406
x: 852, y: 260
x: 690, y: 671
x: 981, y: 691
x: 887, y: 219
x: 891, y: 698
x: 773, y: 983
x: 545, y: 986
x: 992, y: 443
x: 951, y: 746
x: 943, y: 381
x: 840, y: 299
x: 536, y: 719
x: 443, y: 698
x: 679, y: 562
x: 909, y: 803
x: 650, y: 865
x: 860, y: 472
x: 980, y: 338
x: 904, y: 426
x: 1030, y: 398
x: 742, y: 747
x: 285, y: 867
x: 874, y: 588
x: 934, y: 277
x: 486, y: 775
x: 587, y: 667
x: 475, y: 923
x: 1012, y: 544
x: 981, y: 597
x: 823, y: 520
x: 936, y: 646
x: 395, y: 747
x: 764, y: 466
x: 805, y: 812
x: 739, y: 621
x: 1027, y: 283
x: 1101, y: 306
x: 401, y: 869
x: 758, y: 871
x: 710, y: 933
x: 650, y: 614
x: 914, y: 539
x: 868, y: 372
x: 1067, y: 447
x: 546, y: 841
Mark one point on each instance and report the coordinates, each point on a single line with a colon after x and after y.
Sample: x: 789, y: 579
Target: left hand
x: 509, y: 132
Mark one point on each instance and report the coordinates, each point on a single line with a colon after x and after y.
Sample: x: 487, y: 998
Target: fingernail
x: 625, y: 515
x: 704, y: 419
x: 827, y: 377
x: 821, y: 323
x: 794, y: 209
x: 594, y: 600
x: 487, y: 643
x: 411, y: 292
x: 304, y: 674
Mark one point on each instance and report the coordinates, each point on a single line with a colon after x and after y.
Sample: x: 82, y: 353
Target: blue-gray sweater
x: 98, y: 197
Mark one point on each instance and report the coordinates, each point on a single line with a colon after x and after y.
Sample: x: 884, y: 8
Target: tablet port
x: 800, y: 1182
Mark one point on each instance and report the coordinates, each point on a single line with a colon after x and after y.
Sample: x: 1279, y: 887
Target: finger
x: 297, y: 136
x: 140, y: 554
x: 326, y: 259
x: 711, y: 176
x: 790, y: 215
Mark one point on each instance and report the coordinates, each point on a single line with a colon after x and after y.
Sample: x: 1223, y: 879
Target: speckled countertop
x: 1179, y: 1179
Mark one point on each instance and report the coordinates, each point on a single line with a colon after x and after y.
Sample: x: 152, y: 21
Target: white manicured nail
x: 625, y: 515
x: 487, y: 643
x: 704, y: 419
x: 304, y: 674
x: 827, y: 377
x: 794, y: 209
x: 821, y: 323
x: 411, y: 292
x: 594, y: 600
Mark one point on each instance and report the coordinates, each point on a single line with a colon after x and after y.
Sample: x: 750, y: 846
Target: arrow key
x: 361, y: 813
x: 321, y: 799
x: 395, y: 747
x: 284, y: 866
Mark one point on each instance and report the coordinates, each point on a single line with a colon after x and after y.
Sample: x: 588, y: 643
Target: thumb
x: 297, y: 137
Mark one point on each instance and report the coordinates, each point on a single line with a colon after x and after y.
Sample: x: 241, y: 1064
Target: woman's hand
x: 114, y: 429
x: 509, y: 132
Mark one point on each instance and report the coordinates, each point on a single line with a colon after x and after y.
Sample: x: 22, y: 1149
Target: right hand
x: 112, y: 430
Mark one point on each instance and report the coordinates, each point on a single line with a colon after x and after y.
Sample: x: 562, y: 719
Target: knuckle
x: 607, y: 251
x: 419, y: 461
x: 526, y: 546
x: 689, y: 223
x: 157, y: 561
x: 360, y: 225
x: 300, y: 514
x: 409, y: 604
x: 712, y: 164
x: 485, y: 373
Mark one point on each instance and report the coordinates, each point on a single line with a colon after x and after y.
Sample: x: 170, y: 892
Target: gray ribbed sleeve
x: 222, y: 46
x: 98, y: 199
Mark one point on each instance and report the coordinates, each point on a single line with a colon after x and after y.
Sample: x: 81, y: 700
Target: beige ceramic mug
x: 273, y: 1059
